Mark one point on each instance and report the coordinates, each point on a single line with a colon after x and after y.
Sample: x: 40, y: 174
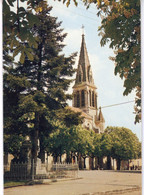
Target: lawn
x: 14, y: 183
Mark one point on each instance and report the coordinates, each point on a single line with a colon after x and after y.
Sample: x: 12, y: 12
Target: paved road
x: 91, y: 183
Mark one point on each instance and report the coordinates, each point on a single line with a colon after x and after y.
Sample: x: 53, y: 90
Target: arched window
x: 80, y: 74
x: 82, y: 98
x: 96, y: 101
x: 93, y: 104
x: 78, y: 99
x: 79, y: 77
x: 90, y: 98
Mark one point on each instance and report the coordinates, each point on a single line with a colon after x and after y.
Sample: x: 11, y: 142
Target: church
x: 85, y: 93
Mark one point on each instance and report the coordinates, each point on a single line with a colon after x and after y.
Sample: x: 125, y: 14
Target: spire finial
x: 82, y: 29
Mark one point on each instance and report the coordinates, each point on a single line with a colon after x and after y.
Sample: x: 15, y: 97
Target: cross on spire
x: 82, y: 29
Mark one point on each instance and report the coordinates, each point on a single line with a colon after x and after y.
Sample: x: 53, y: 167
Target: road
x: 89, y: 183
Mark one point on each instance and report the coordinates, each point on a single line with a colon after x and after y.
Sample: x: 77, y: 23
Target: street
x: 89, y: 183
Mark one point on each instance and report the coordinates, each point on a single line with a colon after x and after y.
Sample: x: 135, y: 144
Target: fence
x: 26, y: 171
x: 65, y: 170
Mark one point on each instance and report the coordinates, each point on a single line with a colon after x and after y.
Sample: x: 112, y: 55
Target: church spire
x: 84, y: 90
x: 82, y: 29
x: 84, y: 72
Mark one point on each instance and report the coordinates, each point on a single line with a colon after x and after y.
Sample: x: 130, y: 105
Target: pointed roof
x: 83, y: 114
x: 83, y: 58
x: 84, y: 67
x: 101, y: 118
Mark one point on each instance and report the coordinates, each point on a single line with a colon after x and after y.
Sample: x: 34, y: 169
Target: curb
x: 59, y: 180
x: 42, y: 182
x: 115, y: 192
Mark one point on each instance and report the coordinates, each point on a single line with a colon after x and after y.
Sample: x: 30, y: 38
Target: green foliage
x: 102, y: 145
x: 13, y: 144
x: 69, y: 117
x: 97, y: 145
x: 118, y: 142
x: 35, y: 86
x: 58, y: 141
x: 106, y: 144
x: 18, y: 18
x: 84, y: 141
x: 74, y: 140
x: 125, y: 144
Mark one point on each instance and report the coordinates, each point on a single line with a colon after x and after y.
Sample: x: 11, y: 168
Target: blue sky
x: 109, y: 87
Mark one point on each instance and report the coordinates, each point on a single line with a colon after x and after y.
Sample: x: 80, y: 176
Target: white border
x: 142, y: 82
x: 1, y: 103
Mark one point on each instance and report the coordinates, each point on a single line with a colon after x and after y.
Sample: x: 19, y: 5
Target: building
x: 85, y: 93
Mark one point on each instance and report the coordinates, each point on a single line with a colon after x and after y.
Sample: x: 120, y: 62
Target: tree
x: 58, y: 141
x: 101, y: 147
x: 125, y: 144
x: 106, y: 147
x: 82, y: 144
x: 13, y: 145
x: 45, y: 76
x: 73, y: 140
x: 69, y: 117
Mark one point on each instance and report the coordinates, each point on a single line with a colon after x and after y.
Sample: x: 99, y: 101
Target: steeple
x: 84, y: 72
x: 85, y: 96
x: 84, y: 90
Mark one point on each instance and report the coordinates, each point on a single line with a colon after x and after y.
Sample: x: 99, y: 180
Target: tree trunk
x: 42, y: 155
x: 55, y: 158
x: 96, y: 162
x: 34, y: 151
x: 118, y: 163
x: 91, y: 163
x: 109, y: 167
x: 80, y: 161
x: 35, y: 138
x: 60, y: 158
x: 100, y: 162
x: 84, y: 162
x: 67, y: 158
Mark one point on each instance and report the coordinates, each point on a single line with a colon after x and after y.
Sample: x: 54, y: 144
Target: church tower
x: 84, y: 89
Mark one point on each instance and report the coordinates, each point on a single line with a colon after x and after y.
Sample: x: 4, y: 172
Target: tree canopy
x: 125, y: 144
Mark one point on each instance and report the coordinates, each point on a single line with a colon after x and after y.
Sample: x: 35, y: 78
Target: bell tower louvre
x: 84, y: 91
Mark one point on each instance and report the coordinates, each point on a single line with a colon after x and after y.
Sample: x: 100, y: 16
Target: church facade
x: 85, y: 93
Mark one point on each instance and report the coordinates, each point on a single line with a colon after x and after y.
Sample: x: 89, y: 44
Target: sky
x: 109, y: 87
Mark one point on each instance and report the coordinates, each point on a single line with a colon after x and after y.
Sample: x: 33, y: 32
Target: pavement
x: 97, y: 182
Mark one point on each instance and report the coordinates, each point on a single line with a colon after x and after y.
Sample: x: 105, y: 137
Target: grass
x: 19, y: 183
x: 14, y: 183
